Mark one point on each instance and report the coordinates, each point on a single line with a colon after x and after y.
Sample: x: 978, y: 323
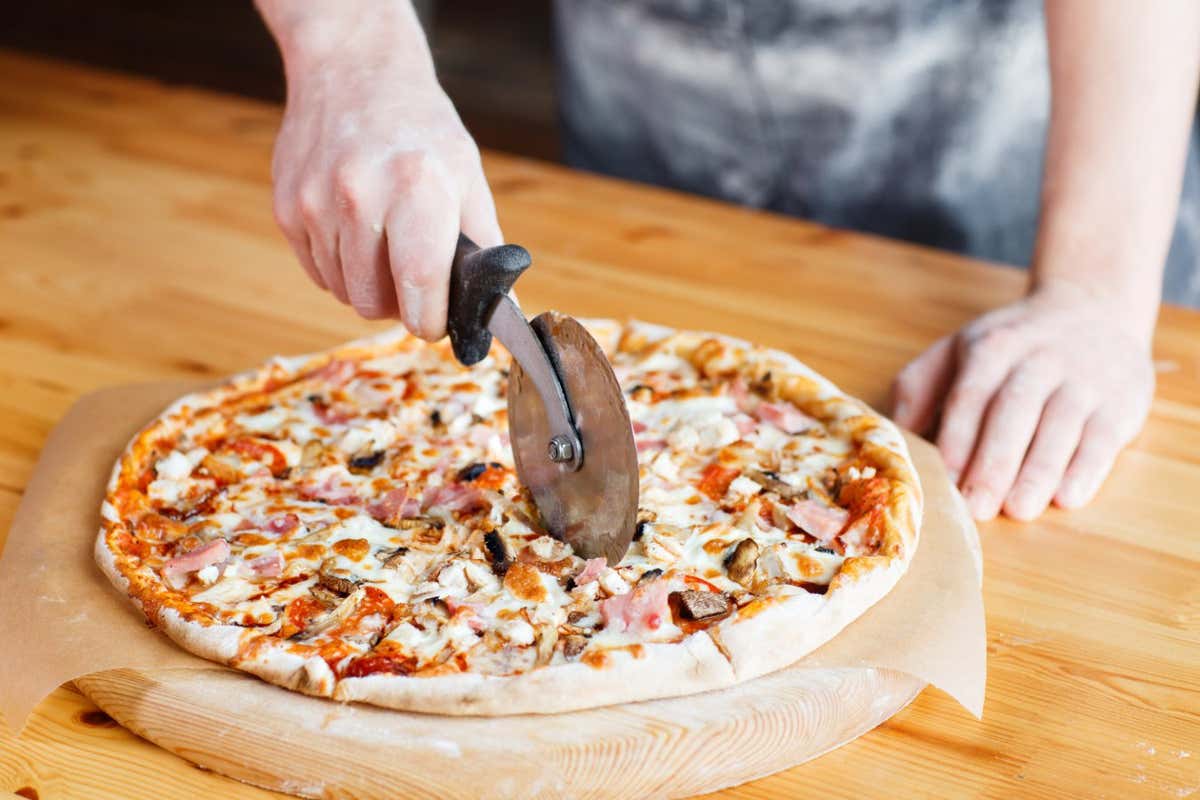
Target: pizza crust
x: 784, y: 631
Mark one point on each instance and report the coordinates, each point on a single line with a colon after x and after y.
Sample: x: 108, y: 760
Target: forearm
x: 1124, y: 82
x: 313, y: 34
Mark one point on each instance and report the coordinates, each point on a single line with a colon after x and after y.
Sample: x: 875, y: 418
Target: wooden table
x: 136, y: 243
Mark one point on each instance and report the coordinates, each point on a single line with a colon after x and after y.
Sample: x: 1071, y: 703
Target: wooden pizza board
x: 242, y: 727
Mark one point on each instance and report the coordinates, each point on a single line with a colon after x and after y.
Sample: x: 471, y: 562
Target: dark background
x: 495, y: 59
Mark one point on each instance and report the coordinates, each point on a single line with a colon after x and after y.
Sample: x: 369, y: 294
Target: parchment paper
x: 60, y: 618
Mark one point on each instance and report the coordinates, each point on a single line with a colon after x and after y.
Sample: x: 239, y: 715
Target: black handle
x: 478, y: 277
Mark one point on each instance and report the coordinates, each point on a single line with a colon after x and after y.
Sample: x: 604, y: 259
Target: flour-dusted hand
x: 374, y: 172
x: 1035, y: 400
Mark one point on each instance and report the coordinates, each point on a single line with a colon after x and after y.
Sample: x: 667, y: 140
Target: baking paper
x: 60, y: 618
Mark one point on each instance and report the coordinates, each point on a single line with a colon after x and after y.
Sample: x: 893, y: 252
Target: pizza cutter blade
x: 571, y: 436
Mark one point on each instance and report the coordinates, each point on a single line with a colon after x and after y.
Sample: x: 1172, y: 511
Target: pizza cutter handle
x: 479, y: 277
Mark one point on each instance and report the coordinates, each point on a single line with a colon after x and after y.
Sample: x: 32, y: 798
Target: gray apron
x: 923, y: 120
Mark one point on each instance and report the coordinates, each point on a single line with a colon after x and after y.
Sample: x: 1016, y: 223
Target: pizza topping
x: 283, y: 524
x: 363, y: 464
x: 525, y: 582
x: 516, y: 630
x: 391, y: 558
x: 176, y: 570
x: 268, y: 566
x: 394, y: 507
x: 573, y: 645
x: 817, y: 519
x: 453, y: 497
x: 497, y: 552
x: 773, y: 483
x: 338, y: 581
x: 353, y: 549
x: 786, y: 417
x: 220, y: 470
x: 642, y: 609
x: 329, y: 489
x: 592, y: 568
x: 740, y: 563
x: 702, y: 606
x: 715, y: 480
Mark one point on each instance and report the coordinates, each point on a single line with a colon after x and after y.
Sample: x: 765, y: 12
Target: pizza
x: 349, y: 525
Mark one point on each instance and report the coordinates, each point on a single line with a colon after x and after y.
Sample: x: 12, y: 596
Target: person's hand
x: 374, y: 177
x: 1032, y: 402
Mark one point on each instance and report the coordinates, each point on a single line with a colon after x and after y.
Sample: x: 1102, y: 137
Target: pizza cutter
x: 571, y: 437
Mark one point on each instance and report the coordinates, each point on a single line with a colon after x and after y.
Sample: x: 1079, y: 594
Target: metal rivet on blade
x: 560, y: 449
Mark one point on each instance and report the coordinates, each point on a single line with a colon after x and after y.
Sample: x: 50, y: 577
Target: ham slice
x: 331, y: 492
x: 268, y: 566
x: 176, y: 570
x: 785, y: 416
x: 745, y: 424
x: 591, y: 570
x: 819, y: 520
x: 471, y: 613
x: 452, y: 497
x: 746, y: 402
x: 283, y: 524
x: 641, y: 610
x: 650, y: 444
x: 396, y: 504
x: 336, y: 373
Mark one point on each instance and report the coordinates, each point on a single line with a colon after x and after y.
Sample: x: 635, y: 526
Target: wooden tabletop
x: 136, y: 243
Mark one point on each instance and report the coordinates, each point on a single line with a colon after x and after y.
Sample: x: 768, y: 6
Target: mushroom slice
x: 573, y: 645
x: 702, y: 606
x: 391, y: 558
x: 339, y: 581
x: 497, y: 552
x: 740, y: 563
x: 648, y: 576
x: 773, y: 483
x: 546, y: 640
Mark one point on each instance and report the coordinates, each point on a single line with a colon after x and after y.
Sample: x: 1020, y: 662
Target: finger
x: 479, y: 215
x: 919, y: 388
x: 369, y: 284
x: 1008, y: 428
x: 983, y: 364
x: 422, y: 232
x: 1055, y: 441
x: 1093, y: 460
x: 320, y: 224
x: 361, y: 245
x: 287, y: 217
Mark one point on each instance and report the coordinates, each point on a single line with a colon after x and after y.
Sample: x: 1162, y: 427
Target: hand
x: 374, y: 177
x: 1036, y: 400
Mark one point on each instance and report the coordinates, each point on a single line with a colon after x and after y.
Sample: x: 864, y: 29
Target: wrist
x: 1109, y: 266
x: 323, y: 36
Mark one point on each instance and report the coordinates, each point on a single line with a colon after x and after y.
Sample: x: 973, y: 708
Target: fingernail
x: 411, y: 297
x: 1020, y: 508
x: 954, y: 475
x: 980, y: 503
x: 900, y: 411
x: 1071, y: 496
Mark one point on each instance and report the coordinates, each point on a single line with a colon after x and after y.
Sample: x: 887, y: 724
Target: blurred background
x: 495, y: 60
x: 920, y: 173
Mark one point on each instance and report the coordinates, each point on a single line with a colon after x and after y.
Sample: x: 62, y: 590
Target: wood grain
x: 136, y: 242
x: 662, y: 748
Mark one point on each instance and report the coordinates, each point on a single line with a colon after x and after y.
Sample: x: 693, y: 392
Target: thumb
x: 920, y: 387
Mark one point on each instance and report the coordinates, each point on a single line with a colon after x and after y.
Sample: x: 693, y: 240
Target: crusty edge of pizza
x: 721, y: 656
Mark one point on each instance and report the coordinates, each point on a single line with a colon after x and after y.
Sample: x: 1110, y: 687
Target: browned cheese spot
x: 525, y: 582
x: 353, y: 549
